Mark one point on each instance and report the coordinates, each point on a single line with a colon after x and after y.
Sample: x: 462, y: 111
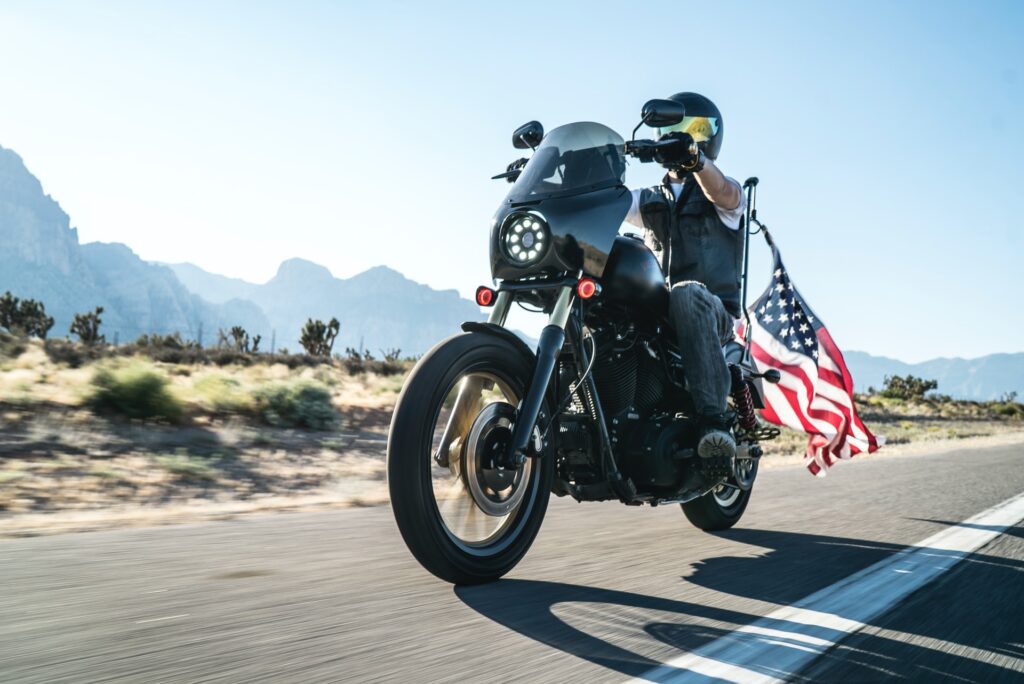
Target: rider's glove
x: 678, y: 151
x: 514, y: 169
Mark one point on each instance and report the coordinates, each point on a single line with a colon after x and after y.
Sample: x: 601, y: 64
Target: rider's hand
x: 677, y: 150
x: 514, y: 169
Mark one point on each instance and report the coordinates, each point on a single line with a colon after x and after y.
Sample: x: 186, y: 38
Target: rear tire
x: 713, y: 513
x: 412, y: 472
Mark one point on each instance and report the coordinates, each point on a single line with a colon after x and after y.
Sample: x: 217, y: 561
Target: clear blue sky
x: 888, y: 136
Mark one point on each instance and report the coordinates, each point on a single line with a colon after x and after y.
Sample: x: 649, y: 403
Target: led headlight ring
x: 525, y: 238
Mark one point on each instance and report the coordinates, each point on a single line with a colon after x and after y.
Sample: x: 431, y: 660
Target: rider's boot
x: 715, y: 445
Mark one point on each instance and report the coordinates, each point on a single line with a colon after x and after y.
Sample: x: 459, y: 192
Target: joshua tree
x: 87, y: 326
x: 318, y: 337
x: 24, y: 316
x: 238, y: 339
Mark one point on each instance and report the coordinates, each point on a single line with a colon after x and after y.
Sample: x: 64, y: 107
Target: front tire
x: 465, y: 520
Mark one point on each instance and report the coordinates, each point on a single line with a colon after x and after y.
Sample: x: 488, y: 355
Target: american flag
x: 815, y: 394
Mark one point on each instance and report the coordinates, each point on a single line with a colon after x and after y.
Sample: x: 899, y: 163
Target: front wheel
x: 466, y: 514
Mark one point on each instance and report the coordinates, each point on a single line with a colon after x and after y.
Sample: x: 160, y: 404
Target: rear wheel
x: 723, y: 506
x: 466, y: 514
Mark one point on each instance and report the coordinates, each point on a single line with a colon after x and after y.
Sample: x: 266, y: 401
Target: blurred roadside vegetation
x: 166, y: 380
x: 163, y: 380
x: 89, y: 426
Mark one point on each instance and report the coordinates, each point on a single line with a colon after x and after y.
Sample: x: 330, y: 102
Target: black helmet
x: 703, y: 121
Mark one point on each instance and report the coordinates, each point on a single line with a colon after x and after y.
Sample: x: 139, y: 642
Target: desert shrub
x: 1009, y: 409
x: 158, y: 341
x: 392, y: 362
x: 298, y: 404
x: 354, y: 360
x: 72, y: 353
x: 170, y: 354
x: 907, y: 387
x: 227, y: 357
x: 11, y: 347
x: 24, y: 317
x: 294, y: 361
x: 318, y: 337
x: 187, y: 467
x: 223, y: 394
x: 135, y: 392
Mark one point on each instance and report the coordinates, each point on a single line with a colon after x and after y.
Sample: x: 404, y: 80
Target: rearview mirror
x: 661, y: 113
x: 528, y: 135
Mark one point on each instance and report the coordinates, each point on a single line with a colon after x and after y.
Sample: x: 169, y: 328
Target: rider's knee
x: 690, y: 298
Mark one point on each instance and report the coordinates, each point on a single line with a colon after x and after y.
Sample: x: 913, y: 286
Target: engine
x: 640, y: 404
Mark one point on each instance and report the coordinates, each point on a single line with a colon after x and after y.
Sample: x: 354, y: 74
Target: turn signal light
x: 484, y: 296
x: 586, y: 288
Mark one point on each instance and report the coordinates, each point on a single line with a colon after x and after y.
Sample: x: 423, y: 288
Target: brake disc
x: 497, y: 487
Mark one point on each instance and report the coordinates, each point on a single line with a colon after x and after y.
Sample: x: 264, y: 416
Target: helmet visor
x: 700, y: 128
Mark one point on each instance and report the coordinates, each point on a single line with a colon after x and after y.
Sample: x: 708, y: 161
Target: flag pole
x: 750, y: 185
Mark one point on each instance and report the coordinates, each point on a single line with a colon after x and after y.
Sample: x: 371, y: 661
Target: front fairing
x: 583, y: 229
x: 575, y: 182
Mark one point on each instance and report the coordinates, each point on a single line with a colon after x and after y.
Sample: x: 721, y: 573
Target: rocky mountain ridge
x: 43, y: 259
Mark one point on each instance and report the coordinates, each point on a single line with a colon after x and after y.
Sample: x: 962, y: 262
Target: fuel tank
x: 633, y: 277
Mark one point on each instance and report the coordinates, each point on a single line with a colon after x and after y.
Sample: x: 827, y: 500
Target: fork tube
x: 502, y: 303
x: 552, y: 337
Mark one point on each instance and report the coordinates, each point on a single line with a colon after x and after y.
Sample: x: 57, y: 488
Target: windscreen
x: 572, y: 159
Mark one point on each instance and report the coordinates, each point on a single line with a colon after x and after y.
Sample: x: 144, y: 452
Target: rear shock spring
x: 743, y: 401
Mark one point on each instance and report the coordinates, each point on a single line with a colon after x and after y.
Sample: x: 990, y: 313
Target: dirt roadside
x: 282, y: 473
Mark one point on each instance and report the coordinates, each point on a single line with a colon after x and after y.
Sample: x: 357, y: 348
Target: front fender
x: 495, y: 329
x: 505, y: 333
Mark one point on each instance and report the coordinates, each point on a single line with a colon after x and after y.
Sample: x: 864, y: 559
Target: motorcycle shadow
x: 529, y: 608
x: 594, y: 623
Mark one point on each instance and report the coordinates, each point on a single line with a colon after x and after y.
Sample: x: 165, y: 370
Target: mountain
x: 210, y: 286
x: 984, y: 378
x: 378, y: 309
x: 42, y: 259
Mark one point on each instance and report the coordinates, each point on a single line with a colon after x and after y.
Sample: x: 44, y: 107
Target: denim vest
x: 701, y: 247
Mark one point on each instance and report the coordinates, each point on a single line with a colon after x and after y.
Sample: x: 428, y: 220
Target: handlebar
x: 645, y: 150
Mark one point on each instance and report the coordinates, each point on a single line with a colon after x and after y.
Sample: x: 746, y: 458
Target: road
x: 607, y: 593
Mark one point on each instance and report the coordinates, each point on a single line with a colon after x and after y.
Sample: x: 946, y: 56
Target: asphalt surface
x: 606, y: 593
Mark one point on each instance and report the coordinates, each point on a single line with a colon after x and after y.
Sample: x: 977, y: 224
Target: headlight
x: 525, y: 238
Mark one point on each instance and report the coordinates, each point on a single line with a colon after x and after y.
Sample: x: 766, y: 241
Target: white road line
x: 169, y: 617
x: 782, y: 643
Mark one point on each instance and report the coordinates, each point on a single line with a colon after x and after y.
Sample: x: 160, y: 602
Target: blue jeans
x: 702, y: 325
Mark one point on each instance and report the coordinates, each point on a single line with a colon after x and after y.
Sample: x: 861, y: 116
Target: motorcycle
x: 486, y: 428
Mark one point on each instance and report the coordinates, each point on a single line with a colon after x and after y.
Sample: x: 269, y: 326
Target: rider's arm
x: 720, y: 190
x: 634, y: 211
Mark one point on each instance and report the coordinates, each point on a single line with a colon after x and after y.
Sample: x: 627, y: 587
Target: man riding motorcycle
x: 693, y: 222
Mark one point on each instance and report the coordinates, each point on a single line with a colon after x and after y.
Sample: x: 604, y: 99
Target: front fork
x: 552, y: 337
x: 466, y: 402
